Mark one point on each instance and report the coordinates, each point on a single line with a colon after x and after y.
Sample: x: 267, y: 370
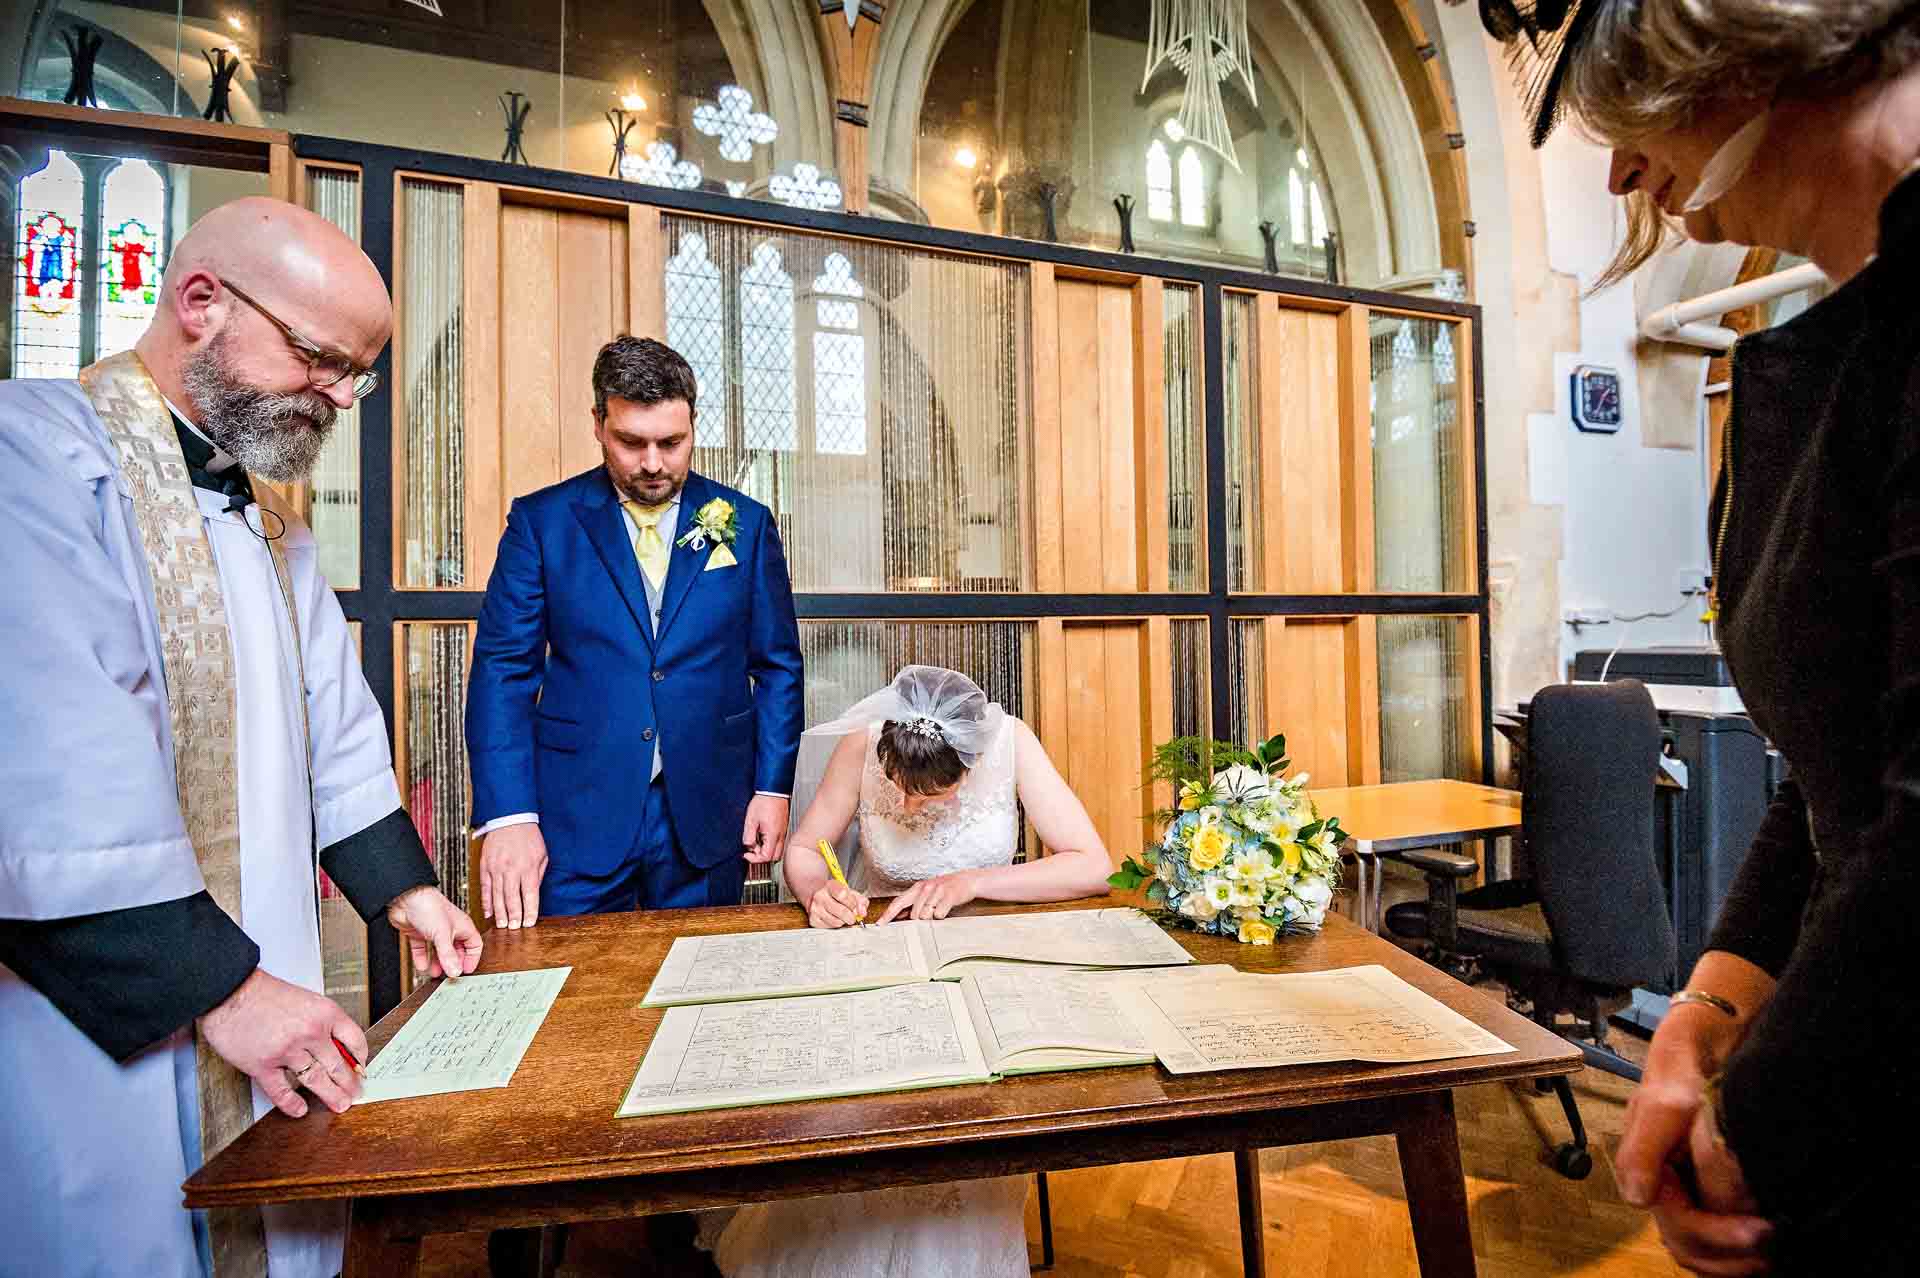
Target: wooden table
x: 1402, y: 815
x: 548, y: 1149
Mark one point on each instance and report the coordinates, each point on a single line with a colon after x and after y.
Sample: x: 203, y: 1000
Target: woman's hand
x: 835, y: 906
x: 935, y: 898
x: 1690, y: 1044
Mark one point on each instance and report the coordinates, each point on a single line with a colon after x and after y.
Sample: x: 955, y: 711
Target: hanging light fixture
x: 1207, y: 39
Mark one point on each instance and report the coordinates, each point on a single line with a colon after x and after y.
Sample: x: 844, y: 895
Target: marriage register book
x: 996, y: 1020
x: 759, y: 965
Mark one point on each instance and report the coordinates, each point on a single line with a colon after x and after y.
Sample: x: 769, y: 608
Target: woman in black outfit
x: 1775, y: 1130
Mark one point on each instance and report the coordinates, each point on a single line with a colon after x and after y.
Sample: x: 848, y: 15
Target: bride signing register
x: 931, y: 777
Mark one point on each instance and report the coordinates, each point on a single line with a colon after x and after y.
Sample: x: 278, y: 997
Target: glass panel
x: 334, y: 514
x: 1104, y: 101
x: 846, y: 660
x: 133, y: 224
x: 1243, y: 470
x: 1426, y: 723
x: 46, y: 281
x: 1186, y: 441
x: 1247, y: 668
x: 872, y: 396
x: 343, y: 935
x: 430, y: 369
x: 1192, y: 693
x: 1419, y: 467
x: 434, y: 752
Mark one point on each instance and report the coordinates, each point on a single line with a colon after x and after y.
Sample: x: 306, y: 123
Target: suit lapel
x: 606, y: 527
x: 686, y: 564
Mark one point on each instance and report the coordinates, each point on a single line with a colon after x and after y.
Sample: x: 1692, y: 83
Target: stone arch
x: 774, y: 48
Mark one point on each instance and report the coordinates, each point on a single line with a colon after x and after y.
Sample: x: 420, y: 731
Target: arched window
x: 839, y: 362
x: 1193, y: 188
x: 766, y: 352
x: 90, y: 244
x: 1159, y: 182
x: 696, y: 327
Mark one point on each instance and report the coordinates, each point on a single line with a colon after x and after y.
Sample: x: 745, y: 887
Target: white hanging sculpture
x: 1207, y: 39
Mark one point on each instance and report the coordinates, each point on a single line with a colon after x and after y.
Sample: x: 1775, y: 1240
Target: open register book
x: 755, y: 965
x: 996, y: 1020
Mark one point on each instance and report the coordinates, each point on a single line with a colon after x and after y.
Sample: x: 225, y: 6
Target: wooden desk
x: 1414, y: 814
x: 548, y: 1149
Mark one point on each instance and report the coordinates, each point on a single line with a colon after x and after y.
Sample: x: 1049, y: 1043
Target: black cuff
x: 129, y: 978
x: 379, y: 863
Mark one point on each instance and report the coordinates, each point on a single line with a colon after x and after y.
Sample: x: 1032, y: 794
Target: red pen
x: 349, y: 1055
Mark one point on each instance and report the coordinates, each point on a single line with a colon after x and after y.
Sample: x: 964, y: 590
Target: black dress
x: 1817, y: 523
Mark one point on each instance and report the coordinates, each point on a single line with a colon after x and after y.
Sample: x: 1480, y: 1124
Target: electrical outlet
x: 1578, y: 617
x: 1691, y: 581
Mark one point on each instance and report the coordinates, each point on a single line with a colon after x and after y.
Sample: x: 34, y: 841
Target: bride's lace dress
x: 968, y: 1229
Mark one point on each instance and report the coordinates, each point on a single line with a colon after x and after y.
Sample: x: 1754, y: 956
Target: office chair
x: 1592, y: 923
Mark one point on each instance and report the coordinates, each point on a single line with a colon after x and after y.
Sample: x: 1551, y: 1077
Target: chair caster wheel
x: 1573, y: 1162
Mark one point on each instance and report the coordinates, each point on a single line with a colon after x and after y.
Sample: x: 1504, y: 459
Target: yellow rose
x: 1208, y: 847
x: 1290, y: 858
x: 1192, y: 795
x: 1256, y: 932
x: 718, y: 508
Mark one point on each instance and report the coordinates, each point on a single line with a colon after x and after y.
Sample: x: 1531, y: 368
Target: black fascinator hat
x: 1542, y: 37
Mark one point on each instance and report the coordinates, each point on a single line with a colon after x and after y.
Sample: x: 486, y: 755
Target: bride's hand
x: 836, y: 906
x: 934, y: 898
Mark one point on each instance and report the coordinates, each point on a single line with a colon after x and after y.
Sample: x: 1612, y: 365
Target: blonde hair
x: 1648, y: 67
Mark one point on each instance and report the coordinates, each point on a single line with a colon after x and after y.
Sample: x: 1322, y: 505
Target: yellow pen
x: 833, y: 868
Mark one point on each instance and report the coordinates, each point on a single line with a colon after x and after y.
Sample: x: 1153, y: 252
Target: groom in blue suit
x: 634, y: 706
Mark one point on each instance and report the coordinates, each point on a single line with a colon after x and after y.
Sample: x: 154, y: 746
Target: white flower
x: 1253, y: 867
x: 1308, y: 901
x: 1198, y: 907
x: 1246, y: 896
x: 1218, y: 891
x: 1299, y: 781
x: 1324, y: 843
x: 1242, y: 784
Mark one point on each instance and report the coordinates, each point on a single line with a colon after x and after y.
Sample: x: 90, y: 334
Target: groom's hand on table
x: 513, y: 860
x: 765, y: 834
x: 934, y: 898
x: 836, y: 906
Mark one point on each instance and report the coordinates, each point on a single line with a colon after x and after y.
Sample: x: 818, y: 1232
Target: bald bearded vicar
x: 186, y: 731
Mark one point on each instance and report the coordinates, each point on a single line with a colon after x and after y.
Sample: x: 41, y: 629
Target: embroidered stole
x: 198, y: 662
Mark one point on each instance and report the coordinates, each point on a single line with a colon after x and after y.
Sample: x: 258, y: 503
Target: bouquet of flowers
x: 1244, y: 853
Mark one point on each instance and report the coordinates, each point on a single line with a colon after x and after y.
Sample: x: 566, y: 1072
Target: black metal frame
x: 378, y: 603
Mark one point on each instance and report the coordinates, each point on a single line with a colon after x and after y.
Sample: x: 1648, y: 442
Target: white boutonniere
x: 714, y: 522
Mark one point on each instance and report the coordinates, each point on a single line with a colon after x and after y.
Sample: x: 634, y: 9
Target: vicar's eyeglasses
x: 324, y: 368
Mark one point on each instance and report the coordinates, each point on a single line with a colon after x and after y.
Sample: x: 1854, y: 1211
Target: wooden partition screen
x: 1133, y: 498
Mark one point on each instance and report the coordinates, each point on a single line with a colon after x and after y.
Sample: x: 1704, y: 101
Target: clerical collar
x: 207, y: 466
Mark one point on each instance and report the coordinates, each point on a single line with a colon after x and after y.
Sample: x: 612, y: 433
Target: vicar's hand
x: 281, y: 1037
x: 836, y: 906
x: 765, y: 834
x: 513, y: 860
x: 1690, y: 1044
x: 443, y: 939
x: 934, y: 898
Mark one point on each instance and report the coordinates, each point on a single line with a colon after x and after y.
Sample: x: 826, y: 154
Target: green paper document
x: 758, y: 965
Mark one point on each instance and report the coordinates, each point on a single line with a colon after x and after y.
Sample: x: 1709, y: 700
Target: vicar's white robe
x: 96, y: 1151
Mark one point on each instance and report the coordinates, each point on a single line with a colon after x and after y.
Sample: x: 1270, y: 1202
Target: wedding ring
x: 304, y: 1070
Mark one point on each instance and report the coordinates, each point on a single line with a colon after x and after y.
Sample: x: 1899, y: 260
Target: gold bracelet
x: 1714, y: 1001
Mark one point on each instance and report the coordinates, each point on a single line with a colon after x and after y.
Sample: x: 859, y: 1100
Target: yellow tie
x: 650, y: 548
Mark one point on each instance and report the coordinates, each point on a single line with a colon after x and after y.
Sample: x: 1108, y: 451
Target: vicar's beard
x: 274, y: 436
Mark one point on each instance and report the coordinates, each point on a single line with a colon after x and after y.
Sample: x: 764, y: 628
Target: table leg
x: 1253, y: 1227
x: 1436, y: 1188
x: 372, y: 1251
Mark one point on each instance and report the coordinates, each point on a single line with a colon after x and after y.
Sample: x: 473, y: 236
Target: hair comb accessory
x: 924, y: 727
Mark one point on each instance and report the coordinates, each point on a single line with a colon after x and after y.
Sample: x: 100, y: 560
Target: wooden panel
x: 1048, y: 528
x: 591, y: 272
x: 1356, y: 447
x: 1108, y: 726
x: 646, y: 273
x: 1151, y: 426
x: 1309, y: 693
x: 281, y: 183
x: 1299, y: 449
x: 1101, y: 486
x: 530, y: 362
x: 1159, y: 707
x: 486, y: 496
x: 1363, y: 701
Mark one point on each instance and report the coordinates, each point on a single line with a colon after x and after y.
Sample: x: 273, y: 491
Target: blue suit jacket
x: 570, y: 687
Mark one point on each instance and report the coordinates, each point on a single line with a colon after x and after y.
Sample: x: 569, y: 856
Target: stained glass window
x: 696, y: 327
x: 47, y: 256
x: 133, y: 212
x: 1159, y: 182
x: 1193, y: 189
x: 839, y: 362
x: 766, y: 351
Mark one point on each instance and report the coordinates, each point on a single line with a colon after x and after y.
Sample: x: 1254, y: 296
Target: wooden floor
x: 1333, y: 1209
